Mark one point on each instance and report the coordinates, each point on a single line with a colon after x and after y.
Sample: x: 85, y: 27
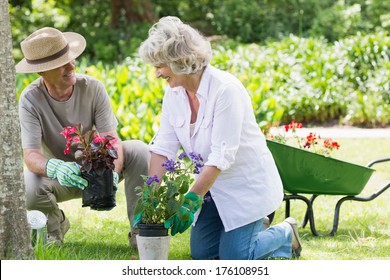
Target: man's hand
x: 182, y: 220
x: 67, y: 173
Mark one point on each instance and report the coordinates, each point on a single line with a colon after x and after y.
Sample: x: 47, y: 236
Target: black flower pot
x: 152, y: 230
x: 101, y: 191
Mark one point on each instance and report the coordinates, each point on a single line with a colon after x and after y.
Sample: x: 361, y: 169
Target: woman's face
x: 166, y: 73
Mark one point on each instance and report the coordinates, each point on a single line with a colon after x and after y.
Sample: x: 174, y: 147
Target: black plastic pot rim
x: 152, y: 230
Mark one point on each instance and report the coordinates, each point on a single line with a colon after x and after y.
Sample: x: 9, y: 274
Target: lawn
x: 363, y: 233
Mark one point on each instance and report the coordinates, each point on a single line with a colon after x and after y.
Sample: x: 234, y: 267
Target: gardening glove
x: 67, y: 173
x: 115, y: 177
x: 137, y: 219
x: 183, y: 219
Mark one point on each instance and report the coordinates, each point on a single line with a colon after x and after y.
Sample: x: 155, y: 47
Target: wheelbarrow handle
x: 378, y: 161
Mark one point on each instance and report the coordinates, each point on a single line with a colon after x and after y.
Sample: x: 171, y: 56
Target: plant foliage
x: 93, y: 152
x: 159, y: 199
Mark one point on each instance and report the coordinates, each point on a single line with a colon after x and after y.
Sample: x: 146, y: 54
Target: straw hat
x: 49, y: 48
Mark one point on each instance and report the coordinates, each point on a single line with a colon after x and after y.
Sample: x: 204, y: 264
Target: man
x: 60, y: 98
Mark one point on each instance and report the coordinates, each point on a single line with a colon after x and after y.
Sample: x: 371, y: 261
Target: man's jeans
x: 250, y: 242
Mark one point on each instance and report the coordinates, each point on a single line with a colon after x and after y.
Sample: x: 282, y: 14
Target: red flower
x: 98, y: 139
x: 111, y: 143
x: 76, y: 139
x: 330, y: 144
x: 292, y: 126
x: 68, y: 131
x: 312, y: 137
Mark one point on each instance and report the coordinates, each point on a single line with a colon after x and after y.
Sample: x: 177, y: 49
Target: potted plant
x: 307, y: 166
x: 159, y: 200
x: 95, y: 155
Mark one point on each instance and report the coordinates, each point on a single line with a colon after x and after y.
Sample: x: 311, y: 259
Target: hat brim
x: 77, y: 45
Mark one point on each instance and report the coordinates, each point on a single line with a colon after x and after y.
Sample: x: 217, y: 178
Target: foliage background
x: 245, y: 21
x: 313, y: 61
x: 318, y: 62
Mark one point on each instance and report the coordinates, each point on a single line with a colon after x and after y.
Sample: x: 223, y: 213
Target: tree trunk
x: 14, y: 230
x: 135, y: 11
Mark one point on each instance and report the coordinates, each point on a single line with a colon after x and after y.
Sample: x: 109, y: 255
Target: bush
x: 248, y: 21
x: 91, y: 19
x: 308, y: 80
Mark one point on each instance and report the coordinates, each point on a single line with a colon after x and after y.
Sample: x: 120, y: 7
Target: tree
x: 14, y: 230
x: 135, y: 11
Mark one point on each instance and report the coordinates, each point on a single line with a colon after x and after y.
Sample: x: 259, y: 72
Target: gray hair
x: 177, y: 45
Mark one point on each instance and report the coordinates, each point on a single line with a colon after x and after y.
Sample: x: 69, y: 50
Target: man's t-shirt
x: 42, y: 118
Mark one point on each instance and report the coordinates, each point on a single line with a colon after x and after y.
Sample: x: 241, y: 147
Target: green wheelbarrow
x: 304, y: 172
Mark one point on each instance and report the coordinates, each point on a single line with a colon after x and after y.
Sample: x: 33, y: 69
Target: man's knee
x: 136, y: 152
x: 136, y: 147
x: 32, y: 185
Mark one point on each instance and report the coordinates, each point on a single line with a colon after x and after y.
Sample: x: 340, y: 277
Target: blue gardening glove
x: 115, y: 177
x: 67, y: 173
x: 183, y: 219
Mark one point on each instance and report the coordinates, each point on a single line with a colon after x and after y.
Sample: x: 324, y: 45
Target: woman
x: 209, y: 112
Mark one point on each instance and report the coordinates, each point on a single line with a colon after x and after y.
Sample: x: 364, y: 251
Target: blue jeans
x: 250, y: 242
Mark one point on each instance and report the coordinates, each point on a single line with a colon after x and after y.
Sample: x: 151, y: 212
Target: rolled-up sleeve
x: 227, y: 127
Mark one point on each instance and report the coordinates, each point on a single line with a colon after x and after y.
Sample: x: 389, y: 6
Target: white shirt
x: 227, y: 136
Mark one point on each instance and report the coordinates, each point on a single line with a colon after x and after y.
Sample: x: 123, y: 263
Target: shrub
x: 305, y: 79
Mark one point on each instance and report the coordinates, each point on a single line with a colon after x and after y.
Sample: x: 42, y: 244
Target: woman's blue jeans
x: 250, y: 242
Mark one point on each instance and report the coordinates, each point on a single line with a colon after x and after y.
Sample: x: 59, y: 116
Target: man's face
x: 62, y: 77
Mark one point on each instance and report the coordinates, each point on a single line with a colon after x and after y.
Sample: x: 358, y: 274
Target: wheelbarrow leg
x: 306, y: 219
x: 355, y: 198
x: 309, y: 211
x: 287, y: 210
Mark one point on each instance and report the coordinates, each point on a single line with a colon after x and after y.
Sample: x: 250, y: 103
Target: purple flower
x: 195, y: 157
x: 171, y: 166
x: 182, y: 155
x: 152, y: 179
x: 197, y: 160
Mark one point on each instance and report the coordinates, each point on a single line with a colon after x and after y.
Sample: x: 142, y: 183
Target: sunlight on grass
x: 363, y: 232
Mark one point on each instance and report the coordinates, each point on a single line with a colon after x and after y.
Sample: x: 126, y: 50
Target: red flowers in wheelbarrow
x: 310, y: 142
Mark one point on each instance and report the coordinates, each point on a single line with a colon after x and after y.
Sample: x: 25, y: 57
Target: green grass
x: 363, y: 233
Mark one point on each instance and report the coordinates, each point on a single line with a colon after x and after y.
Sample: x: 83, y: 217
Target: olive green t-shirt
x: 42, y: 118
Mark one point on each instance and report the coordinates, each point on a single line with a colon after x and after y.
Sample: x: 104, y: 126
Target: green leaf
x: 172, y: 189
x: 89, y: 136
x: 184, y: 187
x: 138, y: 207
